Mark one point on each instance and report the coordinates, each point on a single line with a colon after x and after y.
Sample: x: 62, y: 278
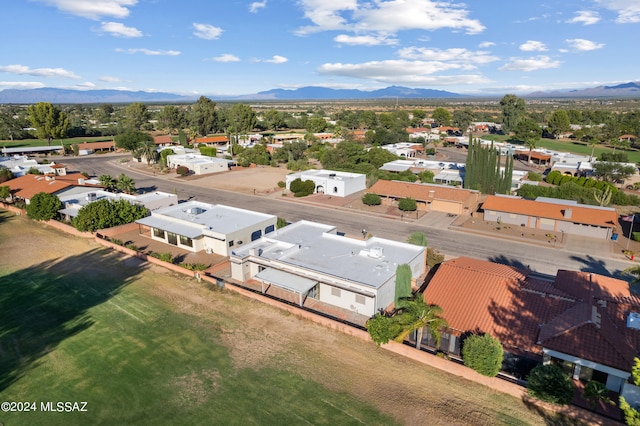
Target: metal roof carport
x: 286, y: 281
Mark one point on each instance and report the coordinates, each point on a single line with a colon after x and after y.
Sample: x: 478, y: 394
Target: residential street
x: 578, y: 254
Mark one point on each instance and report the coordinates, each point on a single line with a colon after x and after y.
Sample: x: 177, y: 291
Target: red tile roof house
x: 584, y: 322
x: 25, y: 187
x: 560, y: 216
x: 212, y: 141
x: 164, y: 140
x: 429, y: 197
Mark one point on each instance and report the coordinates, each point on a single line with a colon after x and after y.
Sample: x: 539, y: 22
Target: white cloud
x: 150, y: 52
x: 486, y: 44
x: 22, y: 84
x: 257, y: 5
x: 585, y: 17
x: 365, y: 40
x: 118, y: 29
x: 386, y: 17
x: 40, y: 72
x: 583, y: 45
x: 628, y: 10
x: 206, y: 31
x: 226, y: 57
x: 530, y: 64
x: 94, y: 9
x: 455, y: 55
x: 108, y: 79
x: 533, y: 46
x: 86, y: 85
x: 404, y: 72
x: 276, y: 59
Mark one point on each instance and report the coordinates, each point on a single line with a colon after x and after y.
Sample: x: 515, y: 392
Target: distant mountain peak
x: 624, y: 90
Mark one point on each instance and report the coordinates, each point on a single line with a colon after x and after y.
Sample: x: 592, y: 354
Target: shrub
x: 426, y: 176
x: 165, y: 257
x: 534, y: 177
x: 132, y: 246
x: 483, y: 353
x: 281, y: 184
x: 553, y: 177
x: 43, y: 206
x: 371, y: 199
x: 116, y: 241
x: 194, y: 266
x: 281, y: 223
x: 418, y: 238
x: 549, y: 383
x: 208, y: 151
x: 182, y: 170
x: 434, y: 257
x: 407, y: 205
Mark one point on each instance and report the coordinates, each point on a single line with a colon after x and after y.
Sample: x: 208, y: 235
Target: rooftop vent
x: 195, y: 210
x: 92, y: 196
x: 633, y: 320
x: 567, y: 213
x: 376, y: 252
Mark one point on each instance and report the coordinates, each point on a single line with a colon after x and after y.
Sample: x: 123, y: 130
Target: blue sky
x: 234, y: 47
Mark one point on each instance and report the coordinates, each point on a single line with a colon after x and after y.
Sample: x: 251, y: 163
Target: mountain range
x: 69, y: 96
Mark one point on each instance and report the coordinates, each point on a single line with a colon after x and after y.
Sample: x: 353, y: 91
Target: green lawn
x: 575, y: 147
x: 54, y: 142
x: 86, y: 329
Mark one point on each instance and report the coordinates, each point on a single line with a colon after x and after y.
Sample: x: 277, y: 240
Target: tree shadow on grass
x: 45, y: 304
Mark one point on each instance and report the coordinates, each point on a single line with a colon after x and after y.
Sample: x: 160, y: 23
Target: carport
x: 284, y: 280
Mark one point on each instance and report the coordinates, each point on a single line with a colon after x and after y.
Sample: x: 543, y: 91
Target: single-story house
x: 25, y: 187
x: 198, y: 164
x: 554, y: 215
x: 53, y: 149
x: 429, y: 197
x: 19, y: 165
x: 214, y: 228
x: 313, y: 261
x: 87, y: 148
x: 212, y: 141
x: 76, y: 199
x: 164, y: 140
x: 537, y: 157
x: 339, y: 184
x: 586, y: 323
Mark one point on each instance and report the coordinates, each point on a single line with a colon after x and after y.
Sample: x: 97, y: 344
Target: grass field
x: 145, y: 346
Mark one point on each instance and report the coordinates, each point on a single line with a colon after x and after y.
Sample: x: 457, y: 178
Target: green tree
x: 5, y: 192
x: 613, y: 172
x: 418, y: 239
x: 146, y: 149
x: 281, y: 223
x: 125, y: 184
x: 136, y: 116
x: 483, y: 353
x: 273, y: 119
x: 558, y: 123
x: 107, y: 213
x: 382, y: 328
x: 403, y: 283
x: 171, y: 117
x: 462, y: 118
x: 513, y: 109
x: 130, y: 139
x: 528, y: 132
x: 549, y: 383
x: 483, y: 170
x: 48, y: 121
x: 370, y: 199
x: 407, y: 204
x: 203, y: 116
x: 426, y: 176
x: 5, y: 174
x: 108, y: 182
x: 316, y: 125
x: 441, y: 116
x: 631, y: 414
x: 43, y: 206
x: 242, y: 120
x: 416, y: 315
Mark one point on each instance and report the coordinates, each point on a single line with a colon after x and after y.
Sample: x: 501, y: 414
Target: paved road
x: 588, y: 255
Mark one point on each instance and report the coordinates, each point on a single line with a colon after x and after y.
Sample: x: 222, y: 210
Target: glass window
x: 256, y: 234
x: 269, y: 228
x: 172, y: 238
x: 159, y: 233
x: 186, y: 241
x: 230, y: 243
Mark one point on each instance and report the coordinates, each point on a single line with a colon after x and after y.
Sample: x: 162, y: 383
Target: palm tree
x: 146, y: 149
x: 415, y: 315
x: 125, y: 184
x: 635, y: 272
x: 107, y: 181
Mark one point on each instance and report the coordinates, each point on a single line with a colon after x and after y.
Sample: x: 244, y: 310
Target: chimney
x: 567, y: 213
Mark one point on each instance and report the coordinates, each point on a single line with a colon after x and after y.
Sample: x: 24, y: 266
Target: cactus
x: 603, y: 198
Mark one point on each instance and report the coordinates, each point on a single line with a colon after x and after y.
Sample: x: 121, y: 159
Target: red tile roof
x: 161, y: 140
x: 97, y: 145
x: 27, y: 186
x: 212, y: 139
x: 420, y: 192
x: 579, y: 314
x: 603, y: 217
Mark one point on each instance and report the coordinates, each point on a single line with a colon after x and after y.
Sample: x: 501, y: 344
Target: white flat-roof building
x: 21, y: 164
x: 199, y: 164
x: 214, y: 228
x: 313, y: 260
x: 78, y: 197
x: 339, y: 184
